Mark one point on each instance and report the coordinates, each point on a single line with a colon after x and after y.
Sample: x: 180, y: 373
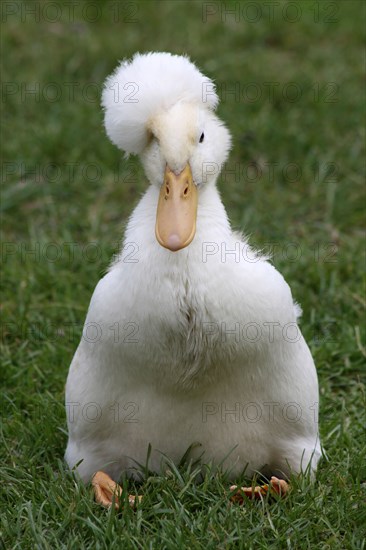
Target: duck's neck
x: 212, y: 222
x: 211, y: 213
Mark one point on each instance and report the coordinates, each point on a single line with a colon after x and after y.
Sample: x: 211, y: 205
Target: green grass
x: 314, y: 210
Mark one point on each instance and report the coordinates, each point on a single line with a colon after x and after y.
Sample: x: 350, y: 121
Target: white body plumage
x: 195, y: 346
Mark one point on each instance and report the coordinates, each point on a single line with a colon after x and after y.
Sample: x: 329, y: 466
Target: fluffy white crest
x: 141, y: 88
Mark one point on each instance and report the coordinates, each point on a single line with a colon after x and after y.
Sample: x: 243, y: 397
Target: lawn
x: 290, y: 78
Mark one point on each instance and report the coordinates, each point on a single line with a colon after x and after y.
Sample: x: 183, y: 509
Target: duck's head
x: 160, y: 107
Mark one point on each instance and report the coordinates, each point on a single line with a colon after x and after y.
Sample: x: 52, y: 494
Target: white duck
x: 190, y: 337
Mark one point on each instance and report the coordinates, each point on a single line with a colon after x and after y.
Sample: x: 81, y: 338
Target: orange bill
x: 177, y: 210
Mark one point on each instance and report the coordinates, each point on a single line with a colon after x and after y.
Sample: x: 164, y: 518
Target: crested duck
x: 191, y: 337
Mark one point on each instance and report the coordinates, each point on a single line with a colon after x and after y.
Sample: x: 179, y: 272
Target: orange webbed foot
x: 275, y: 486
x: 107, y: 491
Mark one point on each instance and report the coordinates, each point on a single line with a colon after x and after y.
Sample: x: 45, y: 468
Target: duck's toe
x: 275, y: 486
x: 279, y: 486
x: 107, y: 492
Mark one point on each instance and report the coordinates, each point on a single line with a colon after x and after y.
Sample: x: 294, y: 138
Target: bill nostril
x: 185, y: 192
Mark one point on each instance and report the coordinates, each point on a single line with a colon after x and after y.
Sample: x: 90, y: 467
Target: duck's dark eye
x: 202, y: 137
